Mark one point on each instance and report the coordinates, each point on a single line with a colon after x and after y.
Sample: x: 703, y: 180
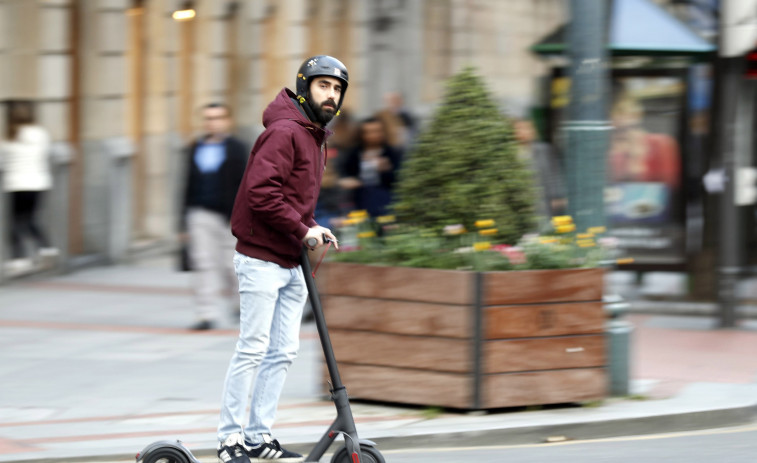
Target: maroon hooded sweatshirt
x: 275, y: 203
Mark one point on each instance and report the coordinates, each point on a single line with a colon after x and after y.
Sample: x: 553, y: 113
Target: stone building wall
x: 121, y: 80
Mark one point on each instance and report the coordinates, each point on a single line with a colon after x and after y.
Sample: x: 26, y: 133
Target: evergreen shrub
x: 465, y: 167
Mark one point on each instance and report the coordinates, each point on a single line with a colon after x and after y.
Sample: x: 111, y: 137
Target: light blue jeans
x: 271, y: 303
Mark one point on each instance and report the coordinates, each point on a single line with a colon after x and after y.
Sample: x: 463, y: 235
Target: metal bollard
x: 120, y: 151
x: 618, y: 334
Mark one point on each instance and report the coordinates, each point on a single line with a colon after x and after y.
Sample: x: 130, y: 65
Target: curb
x: 521, y: 435
x: 682, y: 422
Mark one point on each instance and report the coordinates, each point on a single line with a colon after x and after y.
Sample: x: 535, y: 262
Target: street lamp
x: 186, y: 13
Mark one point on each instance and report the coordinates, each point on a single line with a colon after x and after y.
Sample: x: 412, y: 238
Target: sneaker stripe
x: 270, y: 450
x: 270, y: 454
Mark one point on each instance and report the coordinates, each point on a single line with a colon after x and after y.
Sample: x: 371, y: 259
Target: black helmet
x: 321, y: 65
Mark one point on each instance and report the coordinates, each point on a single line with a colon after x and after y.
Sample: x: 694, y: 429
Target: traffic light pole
x: 730, y: 235
x: 737, y: 37
x: 586, y: 129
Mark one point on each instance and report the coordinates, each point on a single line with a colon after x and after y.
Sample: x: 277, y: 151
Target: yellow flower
x: 597, y: 230
x: 549, y: 240
x: 585, y: 243
x: 562, y: 220
x: 567, y: 228
x: 585, y: 235
x: 482, y: 246
x: 366, y: 234
x: 488, y: 232
x: 361, y: 214
x: 484, y: 223
x: 385, y: 219
x: 350, y: 221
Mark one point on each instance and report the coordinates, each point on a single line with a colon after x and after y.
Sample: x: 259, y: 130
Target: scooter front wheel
x: 370, y: 455
x: 167, y: 455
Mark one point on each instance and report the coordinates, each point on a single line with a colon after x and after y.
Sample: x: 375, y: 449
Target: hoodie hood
x: 284, y: 107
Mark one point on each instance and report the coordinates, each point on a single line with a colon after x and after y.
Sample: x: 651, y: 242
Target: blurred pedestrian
x: 331, y: 201
x: 400, y: 125
x: 540, y: 156
x: 272, y: 218
x: 27, y: 176
x: 216, y: 162
x: 369, y: 170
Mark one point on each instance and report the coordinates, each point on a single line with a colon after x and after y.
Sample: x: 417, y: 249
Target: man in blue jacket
x: 216, y: 162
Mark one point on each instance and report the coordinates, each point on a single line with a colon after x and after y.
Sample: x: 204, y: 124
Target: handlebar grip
x: 312, y: 242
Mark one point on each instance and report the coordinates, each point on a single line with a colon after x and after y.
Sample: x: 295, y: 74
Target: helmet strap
x: 308, y: 110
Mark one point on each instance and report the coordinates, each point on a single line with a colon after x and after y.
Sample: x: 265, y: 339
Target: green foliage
x: 394, y: 244
x: 431, y: 413
x: 404, y: 247
x: 593, y: 404
x: 465, y: 167
x: 464, y: 198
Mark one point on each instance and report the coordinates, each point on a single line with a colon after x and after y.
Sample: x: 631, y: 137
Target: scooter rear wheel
x: 167, y: 455
x: 370, y: 455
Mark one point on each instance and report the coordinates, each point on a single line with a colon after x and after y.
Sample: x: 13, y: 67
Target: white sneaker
x: 19, y: 266
x: 270, y: 449
x: 233, y: 450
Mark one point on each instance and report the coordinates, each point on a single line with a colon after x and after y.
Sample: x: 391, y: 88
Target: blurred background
x: 118, y: 84
x: 637, y: 115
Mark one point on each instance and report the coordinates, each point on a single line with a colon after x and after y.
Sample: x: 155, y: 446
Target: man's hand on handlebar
x: 315, y: 237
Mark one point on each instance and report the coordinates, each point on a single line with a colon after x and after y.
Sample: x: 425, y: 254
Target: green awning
x: 638, y: 28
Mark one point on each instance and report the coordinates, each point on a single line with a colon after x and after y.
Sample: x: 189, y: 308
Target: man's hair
x: 19, y: 112
x: 372, y: 120
x: 215, y: 105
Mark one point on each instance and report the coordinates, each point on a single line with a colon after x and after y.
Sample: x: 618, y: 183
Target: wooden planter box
x: 464, y: 339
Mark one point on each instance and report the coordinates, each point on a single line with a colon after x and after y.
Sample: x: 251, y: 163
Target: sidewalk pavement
x: 96, y: 364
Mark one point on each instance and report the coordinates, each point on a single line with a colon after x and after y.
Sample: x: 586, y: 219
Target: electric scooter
x: 355, y: 450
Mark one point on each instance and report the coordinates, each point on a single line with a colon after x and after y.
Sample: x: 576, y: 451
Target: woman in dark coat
x: 369, y: 170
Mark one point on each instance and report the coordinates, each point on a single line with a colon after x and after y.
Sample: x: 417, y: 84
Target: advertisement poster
x: 644, y: 202
x: 643, y: 198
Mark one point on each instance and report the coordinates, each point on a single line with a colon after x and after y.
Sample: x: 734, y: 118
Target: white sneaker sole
x: 277, y: 460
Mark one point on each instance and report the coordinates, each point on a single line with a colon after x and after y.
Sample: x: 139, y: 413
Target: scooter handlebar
x: 312, y: 242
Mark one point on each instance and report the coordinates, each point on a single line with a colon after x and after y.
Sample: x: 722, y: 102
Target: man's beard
x: 322, y: 116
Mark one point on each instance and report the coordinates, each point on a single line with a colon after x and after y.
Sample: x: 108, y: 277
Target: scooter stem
x: 320, y: 322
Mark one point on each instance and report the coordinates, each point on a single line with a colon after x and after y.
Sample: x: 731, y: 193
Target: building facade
x: 118, y: 83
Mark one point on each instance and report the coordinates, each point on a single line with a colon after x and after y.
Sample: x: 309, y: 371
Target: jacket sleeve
x: 394, y: 155
x: 349, y: 165
x: 271, y: 165
x: 237, y: 154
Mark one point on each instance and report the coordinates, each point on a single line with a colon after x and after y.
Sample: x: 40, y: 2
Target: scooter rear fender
x: 174, y: 444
